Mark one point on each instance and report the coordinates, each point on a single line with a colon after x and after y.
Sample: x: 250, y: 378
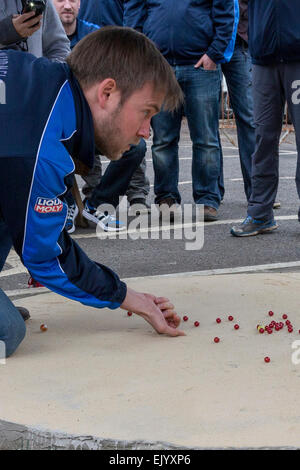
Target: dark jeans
x: 202, y: 92
x: 238, y: 74
x: 115, y: 181
x: 12, y: 325
x: 272, y: 86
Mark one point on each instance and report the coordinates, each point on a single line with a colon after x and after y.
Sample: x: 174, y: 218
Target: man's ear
x: 105, y: 89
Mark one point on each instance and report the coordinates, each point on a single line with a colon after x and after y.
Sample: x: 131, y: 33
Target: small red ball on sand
x: 236, y: 326
x: 216, y: 339
x: 230, y: 318
x: 196, y: 323
x: 267, y: 359
x: 218, y: 320
x: 261, y: 330
x: 284, y: 316
x: 129, y: 314
x: 185, y: 318
x: 43, y: 327
x: 271, y: 313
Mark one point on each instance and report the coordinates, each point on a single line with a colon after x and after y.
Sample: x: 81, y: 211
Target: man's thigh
x: 238, y: 74
x: 268, y: 98
x: 291, y: 81
x: 202, y: 94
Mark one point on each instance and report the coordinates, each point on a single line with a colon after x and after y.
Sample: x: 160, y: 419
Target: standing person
x: 41, y: 36
x: 134, y: 183
x: 102, y: 12
x: 76, y: 29
x: 194, y: 37
x: 238, y: 74
x: 105, y: 189
x: 274, y: 43
x: 71, y: 107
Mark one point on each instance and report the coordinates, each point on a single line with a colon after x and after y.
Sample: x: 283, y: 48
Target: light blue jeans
x: 12, y: 325
x: 201, y: 108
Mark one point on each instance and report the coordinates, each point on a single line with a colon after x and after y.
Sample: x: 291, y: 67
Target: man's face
x: 126, y: 124
x: 67, y: 10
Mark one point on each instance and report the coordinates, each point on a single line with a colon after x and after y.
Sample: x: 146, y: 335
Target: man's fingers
x: 159, y: 300
x: 165, y: 306
x: 174, y: 332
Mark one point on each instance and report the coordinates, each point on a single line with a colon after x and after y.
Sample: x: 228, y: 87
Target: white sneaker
x: 107, y: 222
x: 71, y: 216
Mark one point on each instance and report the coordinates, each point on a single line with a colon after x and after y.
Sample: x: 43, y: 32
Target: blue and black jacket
x: 274, y: 31
x: 102, y: 12
x: 45, y: 121
x: 83, y: 28
x: 184, y: 30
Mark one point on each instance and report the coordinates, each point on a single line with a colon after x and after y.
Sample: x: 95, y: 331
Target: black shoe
x: 24, y: 313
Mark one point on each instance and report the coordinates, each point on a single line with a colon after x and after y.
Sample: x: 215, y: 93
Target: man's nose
x: 67, y: 5
x: 145, y: 130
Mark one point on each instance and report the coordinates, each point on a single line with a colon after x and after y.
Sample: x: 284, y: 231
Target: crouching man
x: 53, y: 115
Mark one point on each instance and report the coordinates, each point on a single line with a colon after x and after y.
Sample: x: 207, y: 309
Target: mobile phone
x: 34, y: 5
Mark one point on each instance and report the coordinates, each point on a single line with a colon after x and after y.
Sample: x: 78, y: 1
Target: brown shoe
x: 210, y: 214
x: 169, y: 207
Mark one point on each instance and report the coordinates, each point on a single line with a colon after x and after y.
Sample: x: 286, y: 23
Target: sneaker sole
x: 256, y: 232
x: 96, y: 221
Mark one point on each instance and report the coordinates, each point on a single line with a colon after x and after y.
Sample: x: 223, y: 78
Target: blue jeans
x: 202, y: 92
x: 238, y: 74
x: 12, y: 325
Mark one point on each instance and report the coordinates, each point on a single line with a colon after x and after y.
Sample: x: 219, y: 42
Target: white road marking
x: 27, y: 291
x: 213, y: 272
x: 280, y: 177
x: 165, y: 228
x: 149, y: 160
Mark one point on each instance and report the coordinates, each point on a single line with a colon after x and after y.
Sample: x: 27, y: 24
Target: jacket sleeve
x: 56, y: 45
x: 225, y: 16
x: 48, y: 252
x: 8, y: 33
x: 134, y: 14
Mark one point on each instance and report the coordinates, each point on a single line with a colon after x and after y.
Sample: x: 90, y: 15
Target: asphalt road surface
x: 220, y: 253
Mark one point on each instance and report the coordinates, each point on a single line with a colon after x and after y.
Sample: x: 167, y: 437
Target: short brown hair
x: 127, y: 56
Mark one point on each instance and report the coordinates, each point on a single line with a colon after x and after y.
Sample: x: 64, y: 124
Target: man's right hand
x: 158, y: 311
x: 26, y: 28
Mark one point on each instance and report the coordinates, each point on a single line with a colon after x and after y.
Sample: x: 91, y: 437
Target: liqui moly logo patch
x: 48, y: 206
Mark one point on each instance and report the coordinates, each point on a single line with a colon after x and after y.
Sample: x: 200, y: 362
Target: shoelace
x: 109, y: 218
x: 248, y: 219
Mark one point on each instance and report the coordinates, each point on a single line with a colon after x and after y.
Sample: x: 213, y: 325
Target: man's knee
x: 12, y: 335
x: 139, y: 150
